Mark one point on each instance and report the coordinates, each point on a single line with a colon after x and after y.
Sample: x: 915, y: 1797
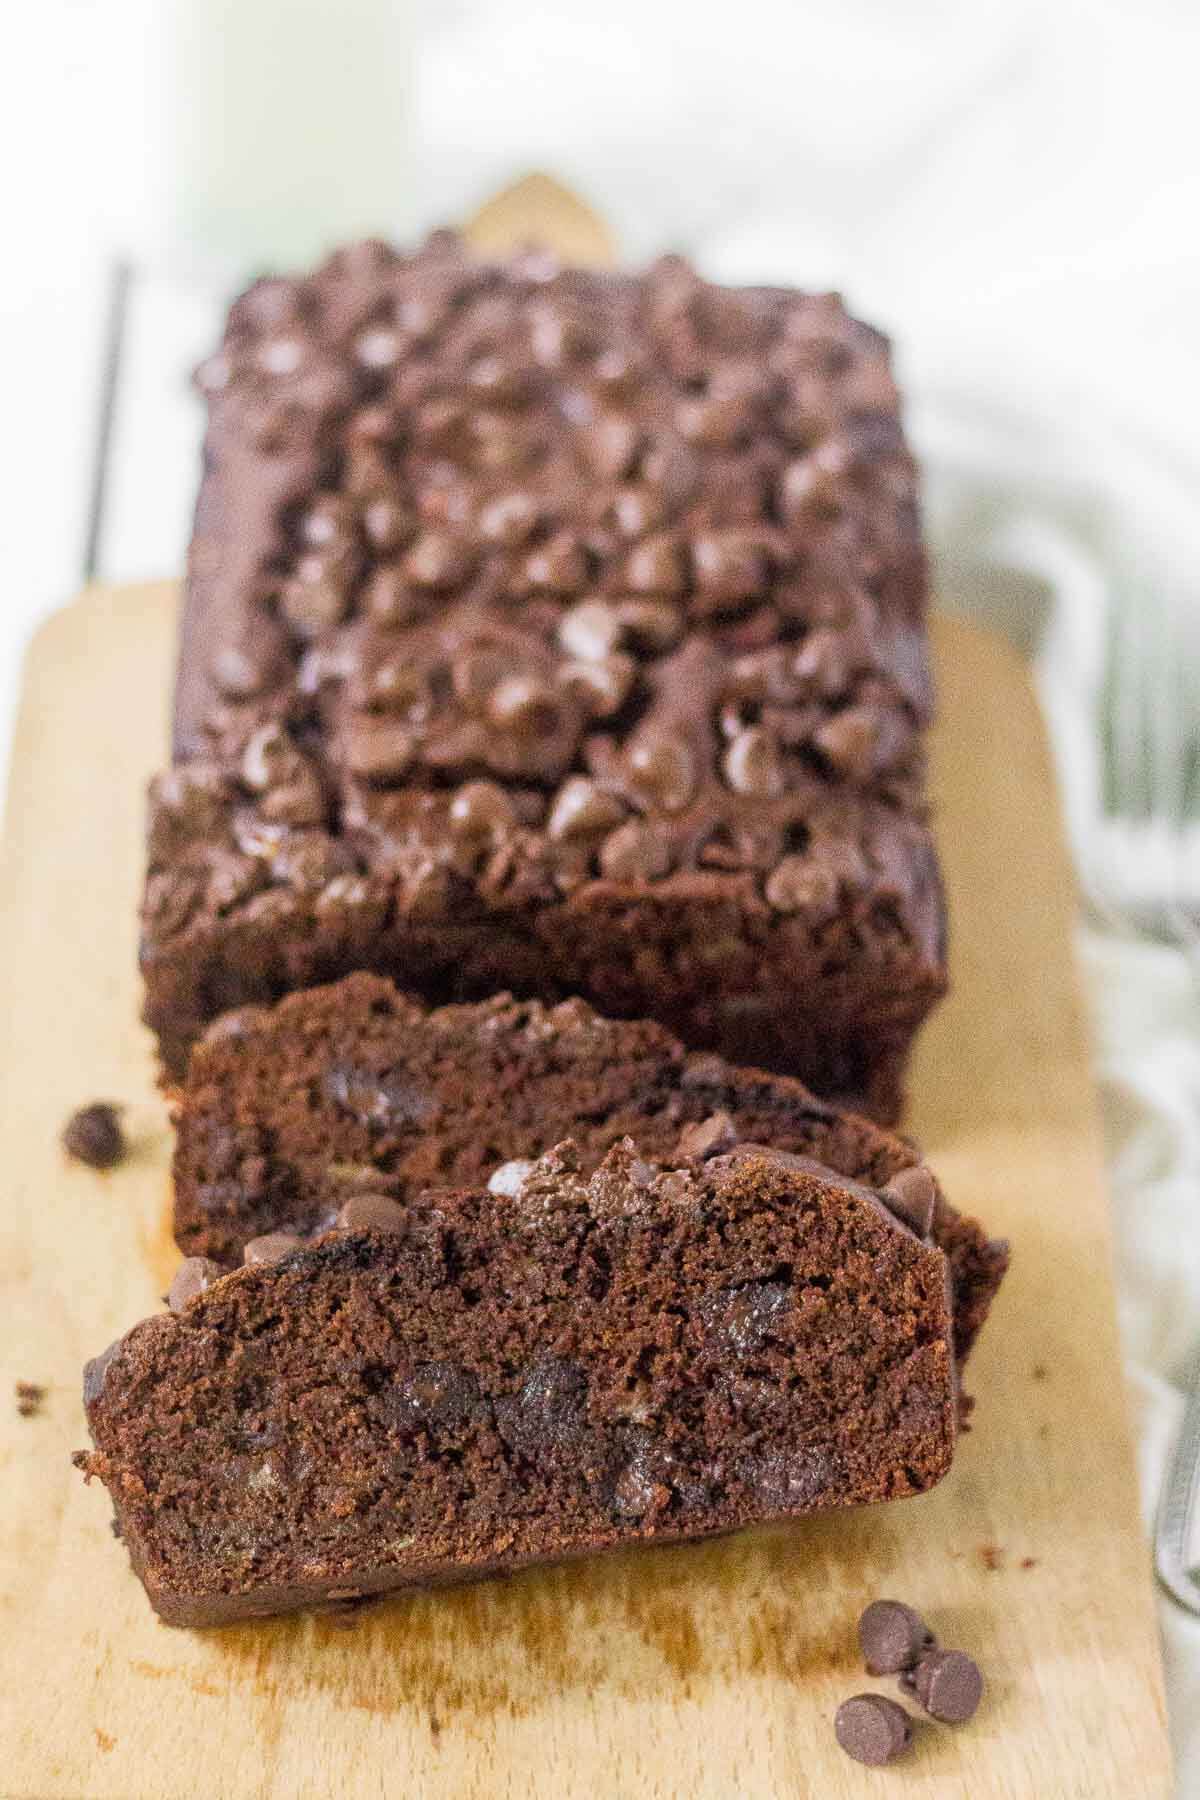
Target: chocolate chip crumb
x: 872, y: 1729
x: 892, y: 1637
x: 947, y: 1683
x: 30, y: 1395
x: 93, y: 1135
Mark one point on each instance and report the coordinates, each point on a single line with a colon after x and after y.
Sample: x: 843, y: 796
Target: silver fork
x: 1143, y: 873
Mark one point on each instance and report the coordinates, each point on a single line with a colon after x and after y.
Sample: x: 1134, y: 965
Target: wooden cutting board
x: 710, y: 1671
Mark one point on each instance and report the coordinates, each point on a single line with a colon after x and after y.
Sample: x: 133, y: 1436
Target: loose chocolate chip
x: 872, y: 1729
x: 30, y: 1395
x: 892, y: 1637
x: 707, y: 1137
x: 752, y: 763
x: 480, y: 808
x: 849, y: 741
x: 93, y: 1135
x: 803, y: 884
x: 371, y: 1212
x: 509, y: 1178
x: 509, y: 520
x: 947, y: 1683
x: 194, y: 1275
x: 589, y: 630
x: 581, y: 809
x: 664, y: 770
x: 272, y: 1248
x: 912, y: 1196
x: 656, y: 566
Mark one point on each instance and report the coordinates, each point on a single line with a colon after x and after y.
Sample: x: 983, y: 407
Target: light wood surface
x: 694, y: 1673
x: 700, y: 1672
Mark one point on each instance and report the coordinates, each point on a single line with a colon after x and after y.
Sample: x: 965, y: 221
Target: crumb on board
x: 30, y: 1395
x: 1040, y: 1372
x: 93, y: 1135
x: 1029, y: 1562
x: 991, y: 1556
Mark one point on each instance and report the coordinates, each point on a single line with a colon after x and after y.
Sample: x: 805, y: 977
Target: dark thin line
x: 110, y: 379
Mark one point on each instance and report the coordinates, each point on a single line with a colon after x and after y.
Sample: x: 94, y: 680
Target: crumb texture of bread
x: 357, y: 1087
x: 642, y: 1355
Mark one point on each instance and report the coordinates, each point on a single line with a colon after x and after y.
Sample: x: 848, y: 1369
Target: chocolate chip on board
x: 93, y: 1135
x: 892, y: 1637
x: 947, y: 1683
x: 872, y: 1729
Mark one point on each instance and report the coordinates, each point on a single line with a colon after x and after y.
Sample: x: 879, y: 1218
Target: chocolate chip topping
x: 93, y: 1135
x: 371, y: 1212
x: 510, y: 1177
x: 892, y: 1637
x: 495, y: 524
x: 271, y: 1248
x: 912, y: 1196
x: 872, y: 1729
x: 948, y: 1684
x: 708, y: 1137
x: 192, y: 1277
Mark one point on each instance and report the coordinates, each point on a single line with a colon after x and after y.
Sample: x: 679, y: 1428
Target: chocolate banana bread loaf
x: 475, y: 1381
x: 356, y: 1087
x: 559, y: 632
